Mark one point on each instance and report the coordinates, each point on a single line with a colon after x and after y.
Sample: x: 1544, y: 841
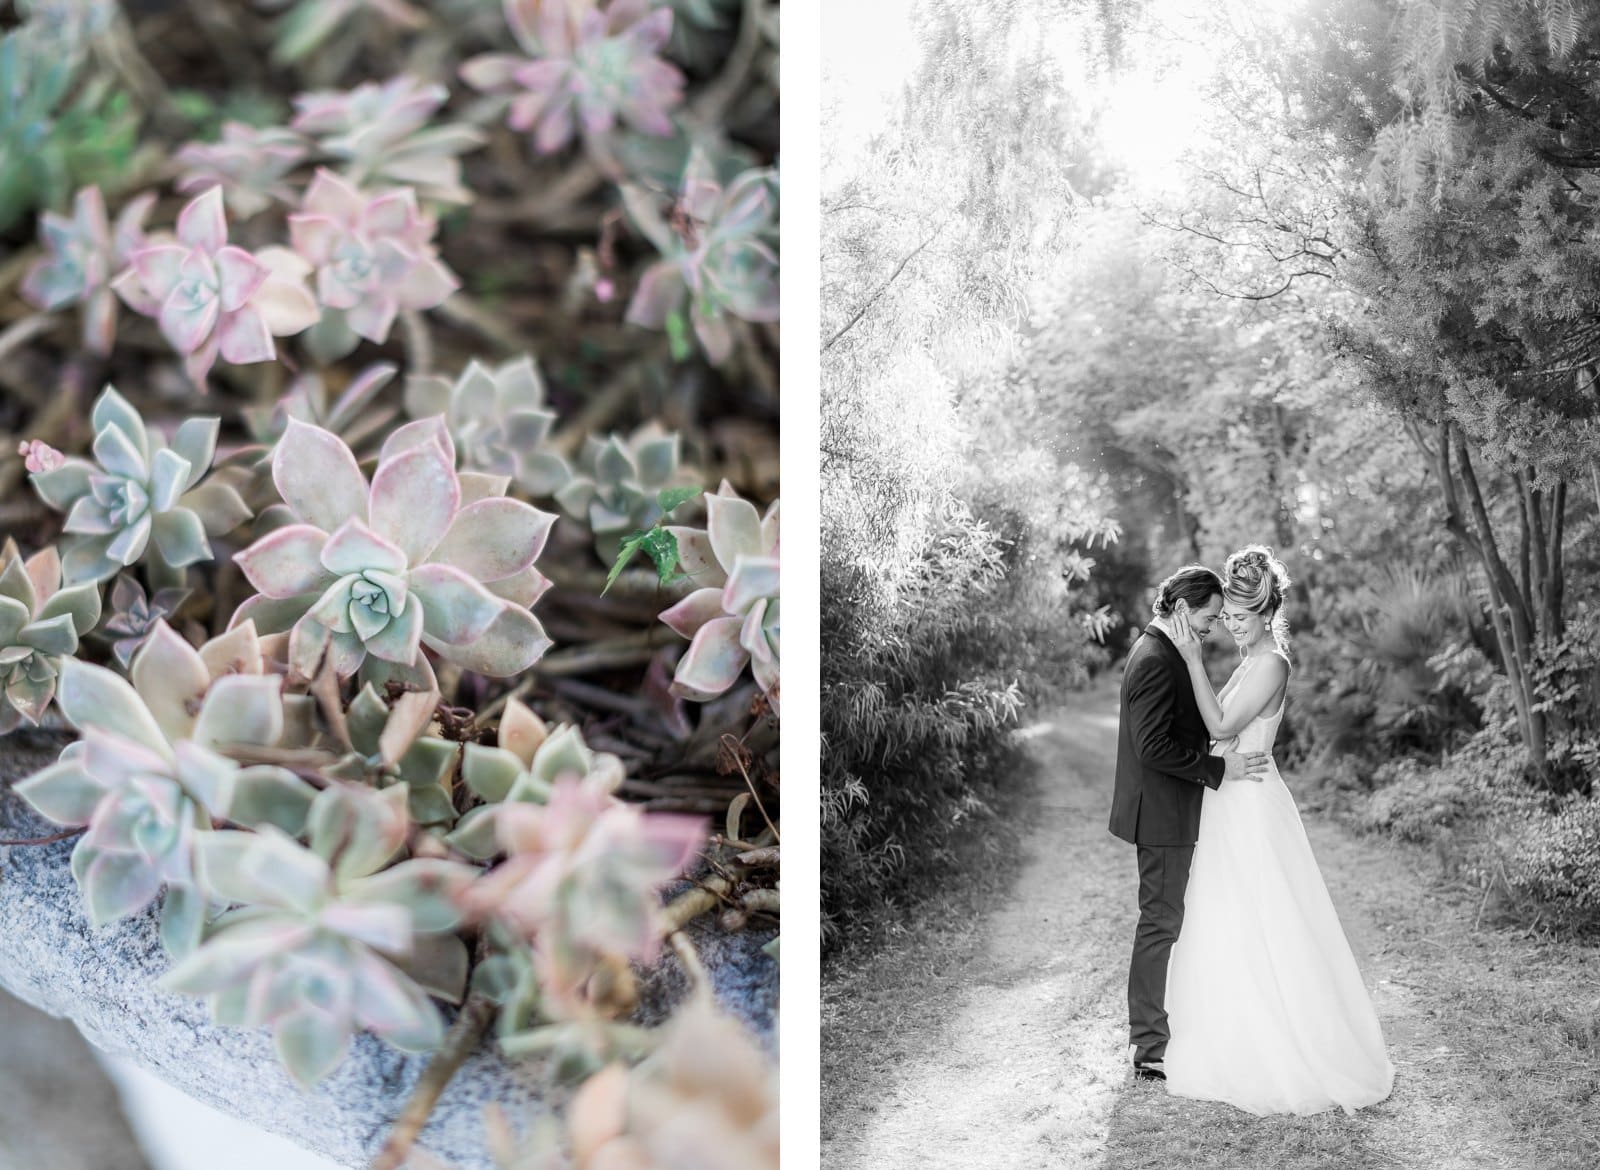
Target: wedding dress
x: 1267, y: 1008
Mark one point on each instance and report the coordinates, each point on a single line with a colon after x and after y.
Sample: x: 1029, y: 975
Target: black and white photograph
x: 1210, y: 584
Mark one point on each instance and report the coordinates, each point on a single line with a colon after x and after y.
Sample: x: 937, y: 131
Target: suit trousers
x: 1163, y: 878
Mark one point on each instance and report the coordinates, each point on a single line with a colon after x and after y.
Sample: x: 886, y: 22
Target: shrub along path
x: 992, y: 1033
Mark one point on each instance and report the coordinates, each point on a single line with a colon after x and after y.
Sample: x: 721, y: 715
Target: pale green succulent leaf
x: 428, y: 761
x: 17, y: 586
x: 196, y: 440
x: 91, y: 696
x: 111, y: 409
x: 310, y: 1044
x: 64, y: 486
x: 180, y: 537
x: 79, y: 602
x: 219, y: 505
x: 117, y: 884
x: 265, y: 794
x: 474, y: 834
x: 241, y: 709
x: 169, y: 475
x: 429, y: 804
x: 183, y: 919
x: 394, y: 1007
x: 54, y: 636
x: 65, y: 792
x: 671, y: 499
x: 489, y: 771
x: 428, y: 888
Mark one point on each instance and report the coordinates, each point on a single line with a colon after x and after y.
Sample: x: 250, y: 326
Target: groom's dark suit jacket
x: 1161, y: 748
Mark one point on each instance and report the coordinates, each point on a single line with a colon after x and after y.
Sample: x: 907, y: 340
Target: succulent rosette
x: 82, y: 255
x: 705, y: 1097
x: 528, y: 762
x: 418, y: 557
x: 140, y: 495
x: 214, y: 299
x: 134, y: 614
x: 327, y: 939
x: 718, y: 258
x: 616, y: 485
x: 732, y: 619
x: 249, y: 163
x: 40, y: 624
x: 498, y: 419
x: 390, y: 747
x: 384, y: 132
x: 590, y: 66
x: 149, y: 773
x: 373, y: 255
x: 583, y: 869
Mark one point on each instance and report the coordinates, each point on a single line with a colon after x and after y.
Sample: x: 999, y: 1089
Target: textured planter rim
x: 103, y: 980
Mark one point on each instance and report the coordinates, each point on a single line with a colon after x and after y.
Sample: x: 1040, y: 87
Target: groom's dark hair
x: 1194, y: 584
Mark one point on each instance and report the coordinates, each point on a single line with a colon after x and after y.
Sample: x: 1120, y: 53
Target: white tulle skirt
x: 1267, y: 1008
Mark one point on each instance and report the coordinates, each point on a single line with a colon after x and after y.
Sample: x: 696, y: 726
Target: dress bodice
x: 1259, y: 734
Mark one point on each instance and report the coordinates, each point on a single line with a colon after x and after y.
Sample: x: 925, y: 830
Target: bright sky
x: 1151, y: 111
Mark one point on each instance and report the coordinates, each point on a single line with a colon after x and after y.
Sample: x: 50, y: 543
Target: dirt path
x: 1017, y: 1056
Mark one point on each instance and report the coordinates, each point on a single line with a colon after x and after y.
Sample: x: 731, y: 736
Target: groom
x: 1162, y: 763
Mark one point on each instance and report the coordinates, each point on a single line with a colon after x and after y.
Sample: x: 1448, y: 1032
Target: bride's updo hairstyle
x: 1255, y: 580
x: 1194, y: 584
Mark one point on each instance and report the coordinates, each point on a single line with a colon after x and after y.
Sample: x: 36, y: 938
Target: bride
x: 1267, y: 1007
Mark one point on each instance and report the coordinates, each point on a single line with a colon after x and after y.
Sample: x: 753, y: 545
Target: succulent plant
x: 705, y: 1097
x: 150, y: 773
x: 212, y: 298
x: 717, y: 255
x: 390, y: 748
x: 140, y: 496
x: 525, y: 767
x: 311, y: 23
x: 328, y: 939
x: 249, y: 163
x: 354, y: 415
x: 40, y: 624
x: 589, y: 65
x: 382, y: 133
x: 615, y: 487
x: 498, y: 420
x: 373, y: 255
x: 82, y: 255
x: 418, y: 557
x: 134, y: 615
x: 58, y: 130
x: 732, y: 618
x: 582, y: 869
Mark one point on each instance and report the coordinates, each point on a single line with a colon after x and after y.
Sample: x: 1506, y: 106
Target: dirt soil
x: 1001, y: 1041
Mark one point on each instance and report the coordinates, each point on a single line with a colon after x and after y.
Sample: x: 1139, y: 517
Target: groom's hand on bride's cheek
x: 1244, y: 766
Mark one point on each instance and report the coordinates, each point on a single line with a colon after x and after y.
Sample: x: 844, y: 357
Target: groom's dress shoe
x: 1151, y: 1070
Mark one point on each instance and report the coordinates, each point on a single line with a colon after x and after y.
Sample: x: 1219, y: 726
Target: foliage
x: 732, y: 617
x: 415, y: 558
x: 57, y: 133
x: 83, y: 254
x: 615, y: 484
x: 40, y: 624
x: 140, y: 495
x: 590, y: 69
x: 719, y: 253
x: 214, y: 299
x: 331, y: 853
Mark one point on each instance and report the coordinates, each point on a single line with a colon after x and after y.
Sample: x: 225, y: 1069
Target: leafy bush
x: 1556, y: 859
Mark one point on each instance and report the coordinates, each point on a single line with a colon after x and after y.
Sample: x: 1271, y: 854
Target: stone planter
x: 104, y: 981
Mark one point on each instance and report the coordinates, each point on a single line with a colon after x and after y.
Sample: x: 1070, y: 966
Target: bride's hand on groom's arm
x: 1244, y: 766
